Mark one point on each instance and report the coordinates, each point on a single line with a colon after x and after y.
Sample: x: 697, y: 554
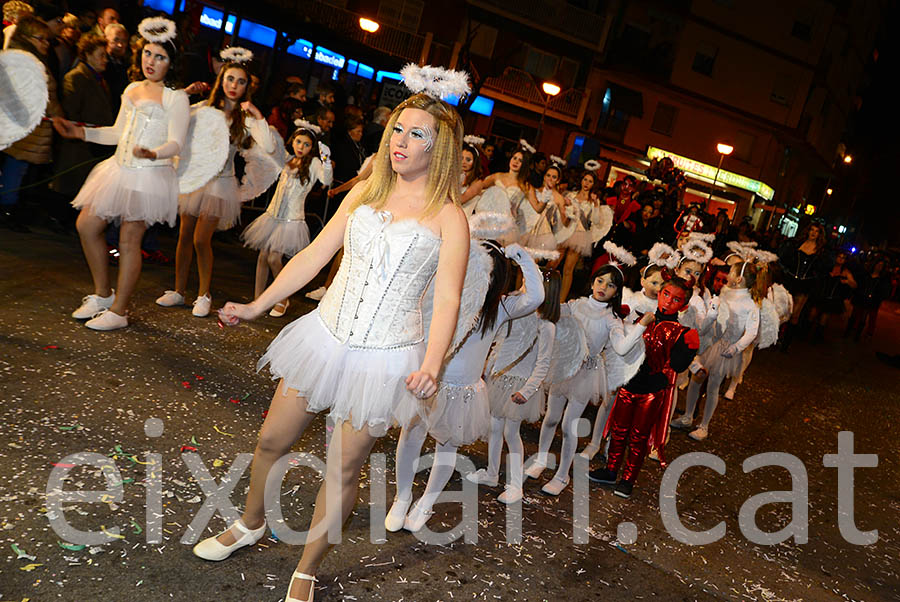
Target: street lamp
x: 724, y: 149
x: 828, y: 191
x: 848, y: 159
x: 551, y: 90
x: 368, y: 25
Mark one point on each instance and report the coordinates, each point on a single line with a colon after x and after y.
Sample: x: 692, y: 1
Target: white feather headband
x: 524, y: 144
x: 305, y: 125
x: 491, y: 226
x: 436, y: 82
x: 705, y: 237
x: 618, y: 256
x: 542, y: 254
x: 236, y: 54
x: 557, y: 160
x: 473, y: 140
x: 762, y: 256
x: 663, y: 255
x: 157, y: 30
x: 697, y: 250
x: 592, y: 165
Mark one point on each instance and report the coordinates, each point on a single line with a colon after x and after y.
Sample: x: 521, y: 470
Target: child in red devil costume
x: 640, y: 415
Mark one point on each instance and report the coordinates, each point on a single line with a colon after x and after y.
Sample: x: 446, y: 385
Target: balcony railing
x: 519, y: 88
x: 387, y: 39
x: 554, y: 16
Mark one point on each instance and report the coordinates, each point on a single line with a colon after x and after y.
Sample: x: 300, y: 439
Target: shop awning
x: 626, y: 100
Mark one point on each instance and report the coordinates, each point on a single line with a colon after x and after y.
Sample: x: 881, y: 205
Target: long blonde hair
x: 446, y: 158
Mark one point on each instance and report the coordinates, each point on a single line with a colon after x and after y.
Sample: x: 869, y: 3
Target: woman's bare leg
x: 184, y: 252
x: 203, y: 233
x: 130, y: 261
x: 91, y: 230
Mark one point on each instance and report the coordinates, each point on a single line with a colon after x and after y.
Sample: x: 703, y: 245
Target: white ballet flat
x: 312, y: 589
x: 510, y: 495
x: 277, y: 313
x: 482, y: 477
x: 416, y: 519
x: 396, y: 517
x: 535, y: 470
x: 211, y: 549
x: 589, y: 452
x: 554, y: 486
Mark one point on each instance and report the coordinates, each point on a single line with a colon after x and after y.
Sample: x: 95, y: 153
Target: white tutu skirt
x: 544, y: 242
x: 218, y: 199
x: 458, y: 414
x: 115, y: 193
x: 588, y: 384
x: 580, y: 242
x: 266, y: 233
x: 715, y: 362
x: 500, y: 390
x: 363, y: 386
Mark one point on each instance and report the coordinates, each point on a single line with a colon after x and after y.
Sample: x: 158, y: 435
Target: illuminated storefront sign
x: 212, y: 18
x: 302, y: 48
x: 709, y: 171
x: 327, y: 57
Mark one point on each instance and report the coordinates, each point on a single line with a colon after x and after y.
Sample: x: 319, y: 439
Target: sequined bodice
x: 146, y: 125
x: 289, y: 202
x: 376, y: 297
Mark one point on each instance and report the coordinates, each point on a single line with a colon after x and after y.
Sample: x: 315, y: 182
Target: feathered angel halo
x: 305, y: 125
x: 473, y: 140
x: 236, y: 54
x: 491, y: 226
x: 542, y: 254
x: 525, y: 146
x: 697, y: 250
x: 158, y: 30
x: 764, y: 257
x: 663, y: 255
x: 705, y: 237
x: 592, y: 165
x: 436, y: 82
x: 618, y: 255
x: 558, y: 161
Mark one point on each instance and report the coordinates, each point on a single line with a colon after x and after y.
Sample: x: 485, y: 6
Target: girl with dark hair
x: 217, y: 205
x: 137, y: 187
x: 516, y: 371
x: 600, y: 316
x: 590, y: 222
x: 747, y: 286
x: 504, y: 192
x: 640, y: 413
x: 837, y: 289
x: 805, y: 267
x: 459, y: 414
x: 471, y: 178
x: 281, y: 229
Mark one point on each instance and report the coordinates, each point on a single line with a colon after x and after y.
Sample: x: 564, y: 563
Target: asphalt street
x: 66, y: 389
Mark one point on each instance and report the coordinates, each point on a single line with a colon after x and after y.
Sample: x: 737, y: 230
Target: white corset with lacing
x: 146, y: 125
x: 375, y: 301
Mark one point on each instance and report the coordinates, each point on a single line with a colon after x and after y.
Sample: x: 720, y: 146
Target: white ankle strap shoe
x: 211, y: 549
x: 312, y: 587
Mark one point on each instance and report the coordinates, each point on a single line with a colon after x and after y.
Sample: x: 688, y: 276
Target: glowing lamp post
x: 724, y: 149
x: 551, y: 90
x: 368, y: 25
x: 848, y: 159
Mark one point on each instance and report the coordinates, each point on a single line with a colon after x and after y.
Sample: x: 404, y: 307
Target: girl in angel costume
x: 137, y: 186
x: 504, y: 192
x: 600, y: 318
x: 217, y: 205
x: 546, y: 231
x: 737, y: 326
x: 774, y: 311
x: 281, y: 229
x: 459, y: 414
x: 361, y: 353
x: 662, y: 258
x: 470, y: 180
x: 516, y: 371
x: 591, y: 220
x: 640, y: 414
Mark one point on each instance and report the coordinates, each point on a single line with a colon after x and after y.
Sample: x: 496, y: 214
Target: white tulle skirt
x: 588, y: 384
x: 715, y: 362
x: 581, y: 242
x: 366, y: 387
x: 544, y: 242
x: 115, y: 193
x: 500, y: 390
x: 266, y: 233
x: 218, y: 199
x: 458, y: 414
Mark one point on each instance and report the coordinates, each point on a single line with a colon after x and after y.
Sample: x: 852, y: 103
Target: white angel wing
x: 515, y: 345
x: 620, y: 369
x: 768, y: 325
x: 722, y: 318
x: 261, y: 168
x: 601, y: 222
x: 475, y: 287
x: 784, y: 302
x: 205, y: 149
x: 23, y: 80
x: 570, y: 349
